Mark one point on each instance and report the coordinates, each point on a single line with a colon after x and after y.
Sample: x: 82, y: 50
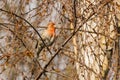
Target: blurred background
x: 87, y: 44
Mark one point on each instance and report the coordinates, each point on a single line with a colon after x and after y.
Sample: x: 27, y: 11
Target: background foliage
x: 86, y: 45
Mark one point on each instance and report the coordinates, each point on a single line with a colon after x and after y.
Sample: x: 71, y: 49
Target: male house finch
x: 48, y: 37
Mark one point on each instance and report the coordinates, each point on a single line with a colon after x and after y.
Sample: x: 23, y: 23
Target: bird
x: 48, y: 37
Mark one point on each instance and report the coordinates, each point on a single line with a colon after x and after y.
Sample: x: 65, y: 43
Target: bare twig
x: 74, y: 14
x: 15, y: 35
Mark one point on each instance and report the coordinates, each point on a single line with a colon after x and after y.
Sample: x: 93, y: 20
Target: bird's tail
x: 39, y: 50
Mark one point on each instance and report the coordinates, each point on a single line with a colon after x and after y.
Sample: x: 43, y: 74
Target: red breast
x: 51, y: 29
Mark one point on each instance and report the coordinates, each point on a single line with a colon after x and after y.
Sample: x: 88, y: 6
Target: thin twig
x: 74, y: 14
x: 93, y: 32
x: 15, y: 35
